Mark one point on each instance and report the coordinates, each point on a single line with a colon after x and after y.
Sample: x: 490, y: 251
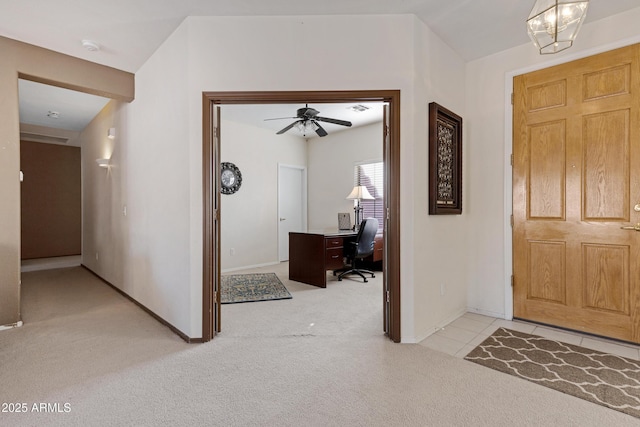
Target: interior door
x: 215, y: 226
x: 386, y: 134
x: 576, y: 195
x: 291, y: 205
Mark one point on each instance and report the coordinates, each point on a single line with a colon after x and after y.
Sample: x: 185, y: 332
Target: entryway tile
x: 468, y: 331
x: 468, y: 324
x: 527, y: 328
x: 458, y: 334
x: 442, y: 344
x: 556, y: 335
x: 464, y: 351
x: 479, y: 318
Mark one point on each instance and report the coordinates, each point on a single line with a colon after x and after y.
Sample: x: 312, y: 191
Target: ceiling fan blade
x: 334, y: 121
x: 287, y: 128
x: 281, y: 118
x: 320, y: 130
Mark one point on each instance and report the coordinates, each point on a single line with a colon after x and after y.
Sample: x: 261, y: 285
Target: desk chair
x: 360, y: 249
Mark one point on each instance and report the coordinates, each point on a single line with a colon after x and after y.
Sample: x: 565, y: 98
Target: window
x: 371, y: 175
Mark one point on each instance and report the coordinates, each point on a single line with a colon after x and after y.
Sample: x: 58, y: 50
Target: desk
x: 311, y: 254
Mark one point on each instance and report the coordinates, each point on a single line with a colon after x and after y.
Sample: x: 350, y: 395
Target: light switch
x: 21, y: 176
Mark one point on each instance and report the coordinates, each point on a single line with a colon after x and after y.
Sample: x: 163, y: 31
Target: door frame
x: 303, y: 171
x: 211, y: 192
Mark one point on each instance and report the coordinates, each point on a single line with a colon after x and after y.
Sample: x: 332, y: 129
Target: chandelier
x: 554, y: 24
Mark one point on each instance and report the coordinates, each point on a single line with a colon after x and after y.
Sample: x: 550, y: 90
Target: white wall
x: 331, y: 162
x: 488, y: 143
x: 161, y: 166
x: 147, y: 253
x: 438, y: 242
x: 249, y: 218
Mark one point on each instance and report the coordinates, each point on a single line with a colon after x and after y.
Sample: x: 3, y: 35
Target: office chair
x: 360, y: 249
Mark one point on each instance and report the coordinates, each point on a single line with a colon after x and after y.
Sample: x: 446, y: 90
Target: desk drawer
x: 333, y: 258
x: 333, y: 242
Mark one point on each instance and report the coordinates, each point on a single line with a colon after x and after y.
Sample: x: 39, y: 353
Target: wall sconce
x: 554, y: 24
x: 103, y: 163
x: 111, y: 133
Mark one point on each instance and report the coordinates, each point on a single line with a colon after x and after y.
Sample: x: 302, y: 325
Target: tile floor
x: 463, y: 334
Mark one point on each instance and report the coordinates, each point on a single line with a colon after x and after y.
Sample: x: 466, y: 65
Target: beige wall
x: 249, y: 218
x: 331, y: 163
x: 27, y: 61
x: 51, y: 204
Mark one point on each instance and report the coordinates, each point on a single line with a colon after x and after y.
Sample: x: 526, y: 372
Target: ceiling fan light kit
x: 554, y: 24
x: 307, y: 122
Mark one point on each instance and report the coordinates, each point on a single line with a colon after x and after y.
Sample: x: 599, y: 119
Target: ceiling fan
x: 307, y: 121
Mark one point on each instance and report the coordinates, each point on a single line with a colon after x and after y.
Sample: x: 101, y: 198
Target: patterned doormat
x: 252, y: 287
x: 602, y: 378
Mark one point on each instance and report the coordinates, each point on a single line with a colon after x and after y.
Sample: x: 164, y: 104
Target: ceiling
x: 129, y: 31
x: 256, y: 115
x: 50, y: 106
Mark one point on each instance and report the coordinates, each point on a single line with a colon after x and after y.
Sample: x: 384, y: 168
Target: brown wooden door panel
x: 576, y: 175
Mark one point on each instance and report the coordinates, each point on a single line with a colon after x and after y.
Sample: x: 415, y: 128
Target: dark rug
x: 252, y: 287
x: 602, y: 378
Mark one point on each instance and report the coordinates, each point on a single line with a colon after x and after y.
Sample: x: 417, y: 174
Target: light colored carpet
x: 318, y: 359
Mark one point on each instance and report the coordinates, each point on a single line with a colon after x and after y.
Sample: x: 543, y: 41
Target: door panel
x: 576, y: 172
x: 606, y: 172
x: 291, y: 203
x: 547, y: 171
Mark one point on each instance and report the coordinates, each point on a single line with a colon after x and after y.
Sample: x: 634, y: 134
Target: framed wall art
x: 445, y: 161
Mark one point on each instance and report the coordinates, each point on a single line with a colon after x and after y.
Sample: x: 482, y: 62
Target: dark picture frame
x: 445, y: 161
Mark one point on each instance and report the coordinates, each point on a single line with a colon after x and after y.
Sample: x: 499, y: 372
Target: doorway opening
x: 52, y: 120
x: 211, y: 192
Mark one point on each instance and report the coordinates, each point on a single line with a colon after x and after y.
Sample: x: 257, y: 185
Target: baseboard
x: 147, y: 310
x: 248, y: 267
x: 487, y: 313
x: 433, y: 330
x: 11, y: 325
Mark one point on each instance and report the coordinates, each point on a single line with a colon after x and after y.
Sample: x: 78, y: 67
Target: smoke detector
x: 53, y: 114
x: 90, y: 45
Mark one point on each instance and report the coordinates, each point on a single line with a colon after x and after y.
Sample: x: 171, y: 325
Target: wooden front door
x: 576, y: 184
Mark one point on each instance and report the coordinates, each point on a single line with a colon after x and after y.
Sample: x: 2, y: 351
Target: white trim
x: 487, y: 313
x: 11, y: 326
x: 248, y: 267
x: 508, y: 144
x: 431, y: 331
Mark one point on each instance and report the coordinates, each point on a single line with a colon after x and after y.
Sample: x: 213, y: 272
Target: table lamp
x: 358, y: 193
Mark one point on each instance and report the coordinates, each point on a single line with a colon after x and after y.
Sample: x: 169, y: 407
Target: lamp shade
x: 554, y: 24
x: 360, y: 192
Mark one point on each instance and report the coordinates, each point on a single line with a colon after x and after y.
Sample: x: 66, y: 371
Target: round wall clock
x: 230, y: 178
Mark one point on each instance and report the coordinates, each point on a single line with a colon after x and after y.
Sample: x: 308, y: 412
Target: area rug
x: 602, y: 378
x: 252, y: 287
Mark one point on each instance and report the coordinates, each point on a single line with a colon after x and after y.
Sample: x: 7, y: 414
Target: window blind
x: 371, y: 175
